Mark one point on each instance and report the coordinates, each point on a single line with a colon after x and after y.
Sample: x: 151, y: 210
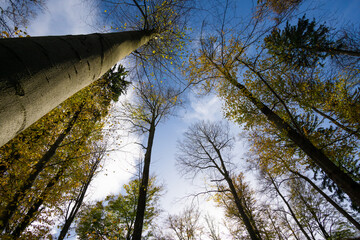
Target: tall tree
x: 114, y: 218
x: 54, y: 68
x: 205, y: 148
x: 332, y: 202
x: 152, y: 105
x: 221, y: 63
x: 75, y: 203
x: 28, y: 182
x: 225, y: 200
x: 276, y: 186
x: 281, y: 161
x: 304, y: 46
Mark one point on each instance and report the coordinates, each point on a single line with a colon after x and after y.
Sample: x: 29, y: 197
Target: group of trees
x: 50, y: 165
x: 292, y: 87
x: 115, y: 217
x: 296, y: 92
x: 295, y: 208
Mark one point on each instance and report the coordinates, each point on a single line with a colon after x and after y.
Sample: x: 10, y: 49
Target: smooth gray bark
x: 39, y: 73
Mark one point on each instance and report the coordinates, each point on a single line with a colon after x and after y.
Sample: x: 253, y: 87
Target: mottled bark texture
x: 38, y: 73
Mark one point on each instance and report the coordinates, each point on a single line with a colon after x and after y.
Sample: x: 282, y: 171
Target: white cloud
x: 64, y: 17
x: 118, y: 165
x: 204, y: 108
x: 118, y: 168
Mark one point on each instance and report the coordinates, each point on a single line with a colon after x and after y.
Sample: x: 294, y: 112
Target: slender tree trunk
x: 35, y: 207
x: 11, y: 207
x: 39, y: 73
x: 311, y: 232
x: 128, y: 235
x: 252, y: 230
x: 289, y: 226
x: 332, y: 202
x: 310, y: 209
x: 334, y: 51
x: 356, y: 133
x: 141, y: 206
x: 343, y: 180
x: 289, y: 207
x: 277, y: 230
x: 74, y: 211
x: 254, y: 235
x: 79, y: 200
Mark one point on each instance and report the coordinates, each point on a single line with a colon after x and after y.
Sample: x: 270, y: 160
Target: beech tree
x: 281, y: 162
x: 251, y: 207
x: 341, y: 210
x: 316, y: 214
x: 152, y: 105
x: 75, y: 202
x: 319, y: 219
x: 276, y: 186
x: 39, y: 73
x: 205, y: 148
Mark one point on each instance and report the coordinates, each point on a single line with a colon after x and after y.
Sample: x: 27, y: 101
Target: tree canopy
x: 114, y: 217
x: 281, y: 160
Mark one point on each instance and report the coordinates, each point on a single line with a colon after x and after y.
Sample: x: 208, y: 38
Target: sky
x: 64, y: 17
x: 72, y: 17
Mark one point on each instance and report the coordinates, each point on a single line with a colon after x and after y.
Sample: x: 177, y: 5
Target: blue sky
x: 63, y: 17
x: 72, y: 17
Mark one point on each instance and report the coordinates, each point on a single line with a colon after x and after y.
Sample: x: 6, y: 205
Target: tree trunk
x: 35, y: 207
x: 343, y: 180
x: 39, y: 73
x: 289, y: 207
x: 252, y: 229
x: 334, y: 51
x: 11, y: 207
x: 311, y: 210
x: 141, y: 206
x: 332, y: 202
x: 254, y: 235
x: 289, y: 226
x: 79, y: 200
x: 276, y: 228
